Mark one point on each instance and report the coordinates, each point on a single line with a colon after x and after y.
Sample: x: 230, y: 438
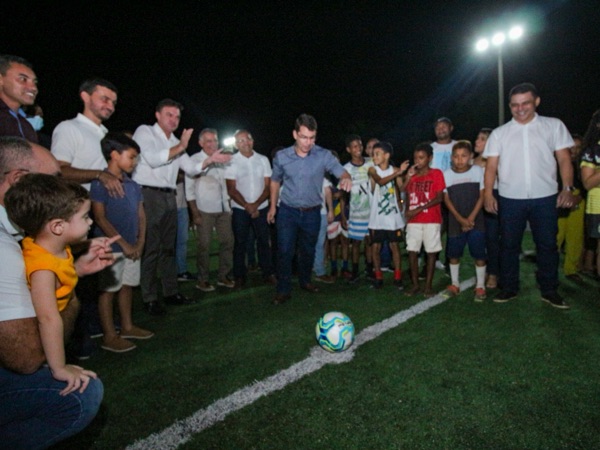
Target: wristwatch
x: 568, y: 188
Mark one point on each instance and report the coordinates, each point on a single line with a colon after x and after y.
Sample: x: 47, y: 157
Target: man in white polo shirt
x: 76, y: 146
x: 248, y: 177
x: 523, y: 154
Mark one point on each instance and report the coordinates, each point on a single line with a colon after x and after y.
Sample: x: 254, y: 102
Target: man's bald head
x: 18, y: 157
x: 43, y: 161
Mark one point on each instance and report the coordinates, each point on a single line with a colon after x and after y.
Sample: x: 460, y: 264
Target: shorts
x: 425, y: 234
x: 474, y: 238
x: 334, y: 229
x: 593, y: 225
x: 380, y: 236
x: 124, y: 271
x: 357, y: 230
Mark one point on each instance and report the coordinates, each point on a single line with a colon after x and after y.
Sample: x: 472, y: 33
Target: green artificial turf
x: 463, y: 375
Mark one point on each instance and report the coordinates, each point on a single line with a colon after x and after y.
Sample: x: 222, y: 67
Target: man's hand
x: 220, y: 157
x: 112, y: 184
x: 491, y: 204
x: 98, y: 256
x: 186, y: 134
x: 346, y: 184
x: 271, y: 215
x: 566, y: 199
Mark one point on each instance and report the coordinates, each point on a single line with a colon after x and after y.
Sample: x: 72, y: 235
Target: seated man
x: 43, y: 417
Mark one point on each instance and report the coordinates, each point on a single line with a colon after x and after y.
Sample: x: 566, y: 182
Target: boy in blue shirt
x: 463, y: 197
x: 122, y: 216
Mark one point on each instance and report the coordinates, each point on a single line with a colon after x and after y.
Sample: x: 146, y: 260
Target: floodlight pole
x: 500, y: 88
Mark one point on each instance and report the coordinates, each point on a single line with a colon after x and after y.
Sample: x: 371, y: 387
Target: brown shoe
x: 271, y: 279
x: 281, y: 298
x: 136, y: 333
x: 226, y: 282
x: 117, y: 345
x: 205, y: 286
x: 310, y: 288
x: 325, y: 279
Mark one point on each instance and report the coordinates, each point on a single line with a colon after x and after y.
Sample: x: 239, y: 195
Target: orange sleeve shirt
x: 38, y: 258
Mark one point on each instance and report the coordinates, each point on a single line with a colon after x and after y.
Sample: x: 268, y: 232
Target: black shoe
x: 399, y: 285
x: 575, y: 278
x: 377, y: 284
x: 185, y: 276
x: 81, y: 349
x: 555, y: 299
x: 354, y: 278
x: 280, y: 299
x: 505, y: 296
x: 156, y: 308
x: 423, y: 273
x: 178, y: 299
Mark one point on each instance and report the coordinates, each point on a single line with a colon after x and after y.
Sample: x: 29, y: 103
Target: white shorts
x: 426, y: 234
x: 124, y: 271
x: 334, y: 229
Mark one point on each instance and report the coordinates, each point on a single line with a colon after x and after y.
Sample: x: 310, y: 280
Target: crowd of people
x: 117, y: 218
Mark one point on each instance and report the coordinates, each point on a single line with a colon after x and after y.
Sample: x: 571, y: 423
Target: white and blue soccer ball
x: 335, y: 332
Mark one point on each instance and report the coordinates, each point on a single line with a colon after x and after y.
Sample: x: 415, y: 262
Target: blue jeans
x: 242, y: 223
x: 543, y: 220
x: 301, y: 228
x: 319, y: 263
x: 183, y: 224
x: 33, y: 414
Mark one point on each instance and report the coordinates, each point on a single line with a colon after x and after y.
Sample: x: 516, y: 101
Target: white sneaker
x: 440, y: 265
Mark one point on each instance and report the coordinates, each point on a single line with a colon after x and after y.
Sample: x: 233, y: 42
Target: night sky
x: 388, y: 69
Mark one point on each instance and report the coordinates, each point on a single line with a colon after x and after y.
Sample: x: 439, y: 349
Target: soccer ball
x: 335, y: 332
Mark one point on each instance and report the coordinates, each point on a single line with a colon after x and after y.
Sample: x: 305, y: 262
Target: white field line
x: 183, y: 430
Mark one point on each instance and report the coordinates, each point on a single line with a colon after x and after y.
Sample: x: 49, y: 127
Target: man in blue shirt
x: 300, y: 170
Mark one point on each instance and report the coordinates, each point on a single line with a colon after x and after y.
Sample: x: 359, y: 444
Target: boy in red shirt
x: 425, y: 193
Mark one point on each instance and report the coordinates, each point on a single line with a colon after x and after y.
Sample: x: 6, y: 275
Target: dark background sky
x: 385, y: 69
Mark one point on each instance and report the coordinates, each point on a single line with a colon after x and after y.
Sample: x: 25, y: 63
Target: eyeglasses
x: 18, y: 168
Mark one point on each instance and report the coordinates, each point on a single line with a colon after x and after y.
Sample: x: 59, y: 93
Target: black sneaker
x: 376, y: 284
x: 555, y: 299
x: 354, y: 278
x: 185, y: 276
x: 505, y: 296
x: 399, y: 285
x: 155, y: 308
x: 423, y: 273
x: 178, y: 299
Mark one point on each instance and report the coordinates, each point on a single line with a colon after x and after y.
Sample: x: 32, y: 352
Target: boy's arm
x: 476, y: 208
x: 43, y: 296
x: 461, y: 220
x: 141, y: 237
x: 329, y: 204
x: 107, y: 228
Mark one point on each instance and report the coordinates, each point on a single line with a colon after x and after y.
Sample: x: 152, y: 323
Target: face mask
x: 37, y: 122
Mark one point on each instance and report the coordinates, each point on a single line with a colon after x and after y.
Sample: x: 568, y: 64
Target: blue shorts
x: 357, y: 230
x: 474, y: 238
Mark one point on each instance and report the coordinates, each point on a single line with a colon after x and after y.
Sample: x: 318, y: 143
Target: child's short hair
x: 38, y: 198
x: 464, y: 144
x: 385, y: 146
x: 118, y: 142
x: 424, y: 147
x: 351, y: 138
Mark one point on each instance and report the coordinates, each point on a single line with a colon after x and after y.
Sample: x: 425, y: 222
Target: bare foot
x: 413, y: 291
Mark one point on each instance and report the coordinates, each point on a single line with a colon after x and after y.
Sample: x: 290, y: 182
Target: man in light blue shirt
x: 301, y: 169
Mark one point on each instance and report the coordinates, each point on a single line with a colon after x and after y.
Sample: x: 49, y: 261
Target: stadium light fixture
x: 498, y: 40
